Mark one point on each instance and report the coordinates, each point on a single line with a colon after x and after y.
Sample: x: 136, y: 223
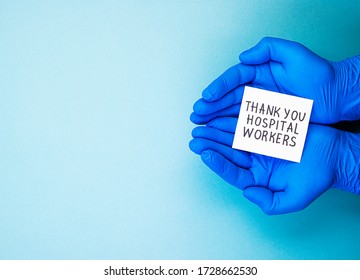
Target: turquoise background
x: 95, y: 98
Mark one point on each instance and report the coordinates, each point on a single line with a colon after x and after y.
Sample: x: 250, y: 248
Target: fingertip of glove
x: 246, y: 193
x: 243, y: 56
x: 194, y: 132
x: 198, y: 106
x: 208, y: 95
x: 193, y: 118
x: 206, y: 156
x: 196, y: 146
x: 250, y: 194
x: 191, y: 145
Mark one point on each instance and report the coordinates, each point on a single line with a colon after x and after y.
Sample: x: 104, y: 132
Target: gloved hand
x: 286, y: 67
x: 330, y: 159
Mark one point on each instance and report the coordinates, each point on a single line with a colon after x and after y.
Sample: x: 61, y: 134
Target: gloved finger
x: 273, y: 203
x: 269, y: 48
x: 235, y: 76
x: 234, y: 175
x: 239, y: 158
x: 203, y: 107
x: 227, y: 124
x: 214, y: 134
x: 232, y: 111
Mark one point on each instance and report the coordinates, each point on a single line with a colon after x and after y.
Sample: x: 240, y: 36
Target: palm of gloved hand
x: 276, y: 186
x: 282, y: 66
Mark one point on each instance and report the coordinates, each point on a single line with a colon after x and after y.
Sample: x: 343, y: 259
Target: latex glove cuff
x: 347, y: 83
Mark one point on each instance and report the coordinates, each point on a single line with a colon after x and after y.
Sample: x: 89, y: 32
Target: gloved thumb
x: 261, y: 197
x: 272, y: 203
x: 270, y: 48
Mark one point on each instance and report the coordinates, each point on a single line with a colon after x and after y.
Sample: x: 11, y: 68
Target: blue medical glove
x: 286, y: 67
x: 330, y: 159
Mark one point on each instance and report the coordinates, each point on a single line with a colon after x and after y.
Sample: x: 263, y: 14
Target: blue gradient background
x: 95, y: 98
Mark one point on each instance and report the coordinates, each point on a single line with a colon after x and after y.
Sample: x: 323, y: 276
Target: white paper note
x: 272, y: 124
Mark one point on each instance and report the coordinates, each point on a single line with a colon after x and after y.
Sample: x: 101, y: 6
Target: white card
x: 272, y: 124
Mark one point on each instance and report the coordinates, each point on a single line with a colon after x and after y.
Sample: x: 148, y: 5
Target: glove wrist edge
x: 348, y: 175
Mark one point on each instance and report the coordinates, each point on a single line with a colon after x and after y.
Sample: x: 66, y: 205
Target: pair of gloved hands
x: 331, y: 157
